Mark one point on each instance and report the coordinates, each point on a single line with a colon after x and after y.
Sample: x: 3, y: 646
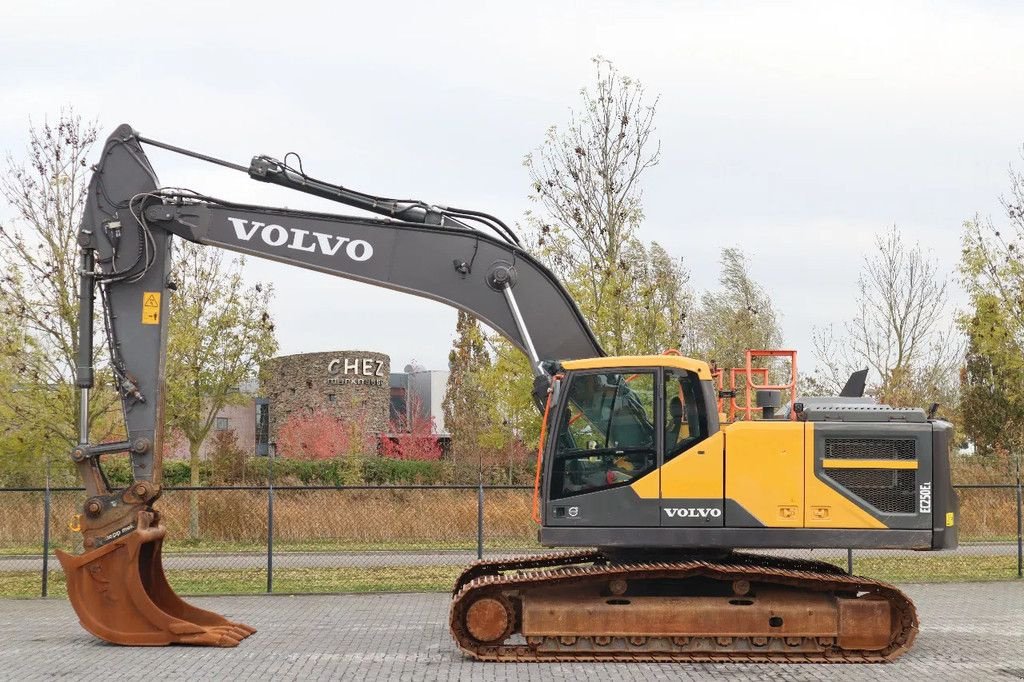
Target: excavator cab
x: 620, y: 425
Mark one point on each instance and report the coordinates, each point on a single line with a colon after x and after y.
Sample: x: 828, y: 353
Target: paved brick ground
x: 969, y: 632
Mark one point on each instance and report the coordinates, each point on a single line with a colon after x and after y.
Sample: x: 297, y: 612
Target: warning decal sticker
x: 151, y: 307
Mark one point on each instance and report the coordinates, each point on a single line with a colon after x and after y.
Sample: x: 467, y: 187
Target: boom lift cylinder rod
x: 535, y: 365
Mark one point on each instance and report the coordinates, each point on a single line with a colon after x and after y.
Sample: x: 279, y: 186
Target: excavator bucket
x: 121, y: 595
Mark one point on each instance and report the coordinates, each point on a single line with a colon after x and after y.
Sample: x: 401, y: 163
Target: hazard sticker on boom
x: 151, y: 307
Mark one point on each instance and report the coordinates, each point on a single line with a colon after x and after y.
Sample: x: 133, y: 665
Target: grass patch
x: 935, y: 569
x: 177, y: 546
x: 286, y: 580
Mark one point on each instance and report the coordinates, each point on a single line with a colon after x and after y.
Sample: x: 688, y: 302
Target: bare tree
x: 586, y: 179
x: 901, y: 331
x: 38, y: 286
x: 993, y: 257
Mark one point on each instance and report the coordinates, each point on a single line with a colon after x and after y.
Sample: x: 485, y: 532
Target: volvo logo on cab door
x: 691, y: 513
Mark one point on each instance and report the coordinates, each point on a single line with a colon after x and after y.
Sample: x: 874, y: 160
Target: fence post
x: 1020, y: 528
x: 46, y: 530
x: 270, y: 519
x: 849, y: 562
x: 480, y: 519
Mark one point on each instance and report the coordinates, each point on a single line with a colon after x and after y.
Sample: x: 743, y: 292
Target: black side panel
x: 945, y: 501
x: 737, y: 515
x: 893, y: 496
x: 855, y: 385
x: 619, y: 506
x: 722, y: 538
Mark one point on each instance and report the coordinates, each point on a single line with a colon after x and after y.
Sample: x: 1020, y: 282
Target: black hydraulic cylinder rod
x: 86, y: 299
x: 265, y: 169
x: 189, y: 152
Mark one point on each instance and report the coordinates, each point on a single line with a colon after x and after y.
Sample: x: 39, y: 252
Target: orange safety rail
x: 746, y: 373
x: 753, y: 386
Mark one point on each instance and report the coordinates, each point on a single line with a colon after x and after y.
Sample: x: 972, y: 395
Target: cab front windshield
x: 607, y: 434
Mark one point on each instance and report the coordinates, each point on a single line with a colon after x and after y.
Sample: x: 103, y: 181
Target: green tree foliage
x: 992, y: 383
x: 466, y: 402
x: 992, y: 271
x: 21, y: 460
x: 220, y: 334
x: 511, y: 413
x: 738, y: 316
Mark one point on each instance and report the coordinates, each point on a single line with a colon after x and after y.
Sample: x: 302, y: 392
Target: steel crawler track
x: 507, y: 582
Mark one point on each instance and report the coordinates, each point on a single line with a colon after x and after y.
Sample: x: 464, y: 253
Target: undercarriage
x: 574, y: 606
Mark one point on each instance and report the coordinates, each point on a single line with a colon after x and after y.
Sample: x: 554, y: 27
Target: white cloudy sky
x: 795, y: 130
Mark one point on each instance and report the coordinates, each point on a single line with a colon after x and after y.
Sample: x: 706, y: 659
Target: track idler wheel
x: 490, y: 619
x: 121, y: 595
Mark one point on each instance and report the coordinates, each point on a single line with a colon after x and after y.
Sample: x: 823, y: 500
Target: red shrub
x: 417, y: 442
x: 321, y: 436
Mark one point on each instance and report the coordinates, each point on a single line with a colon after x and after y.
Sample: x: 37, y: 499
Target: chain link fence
x: 309, y: 539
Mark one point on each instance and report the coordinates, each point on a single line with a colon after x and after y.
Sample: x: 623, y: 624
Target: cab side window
x: 685, y: 414
x: 606, y: 433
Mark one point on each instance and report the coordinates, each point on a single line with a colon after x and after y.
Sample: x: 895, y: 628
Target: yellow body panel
x: 826, y: 508
x: 768, y: 470
x: 648, y: 486
x: 764, y: 470
x: 695, y: 473
x: 868, y: 464
x: 620, y: 361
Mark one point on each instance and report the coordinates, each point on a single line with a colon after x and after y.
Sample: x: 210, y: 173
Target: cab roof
x: 615, y: 361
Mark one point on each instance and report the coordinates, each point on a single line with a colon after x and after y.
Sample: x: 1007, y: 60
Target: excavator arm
x: 467, y: 259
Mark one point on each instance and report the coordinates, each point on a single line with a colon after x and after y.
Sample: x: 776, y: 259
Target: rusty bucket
x: 121, y: 595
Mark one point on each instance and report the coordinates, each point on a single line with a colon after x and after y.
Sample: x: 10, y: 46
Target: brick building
x: 346, y: 384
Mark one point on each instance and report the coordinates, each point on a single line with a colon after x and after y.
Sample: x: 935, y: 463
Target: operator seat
x: 675, y: 412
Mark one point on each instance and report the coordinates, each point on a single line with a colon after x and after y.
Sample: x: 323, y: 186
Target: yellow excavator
x: 637, y: 468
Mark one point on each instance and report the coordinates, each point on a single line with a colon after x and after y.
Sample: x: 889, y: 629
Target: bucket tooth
x: 121, y: 595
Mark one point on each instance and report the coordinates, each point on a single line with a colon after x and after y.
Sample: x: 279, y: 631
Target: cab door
x: 606, y: 438
x: 692, y: 472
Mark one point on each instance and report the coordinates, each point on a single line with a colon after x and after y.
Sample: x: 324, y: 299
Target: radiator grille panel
x: 871, y: 448
x: 891, y: 491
